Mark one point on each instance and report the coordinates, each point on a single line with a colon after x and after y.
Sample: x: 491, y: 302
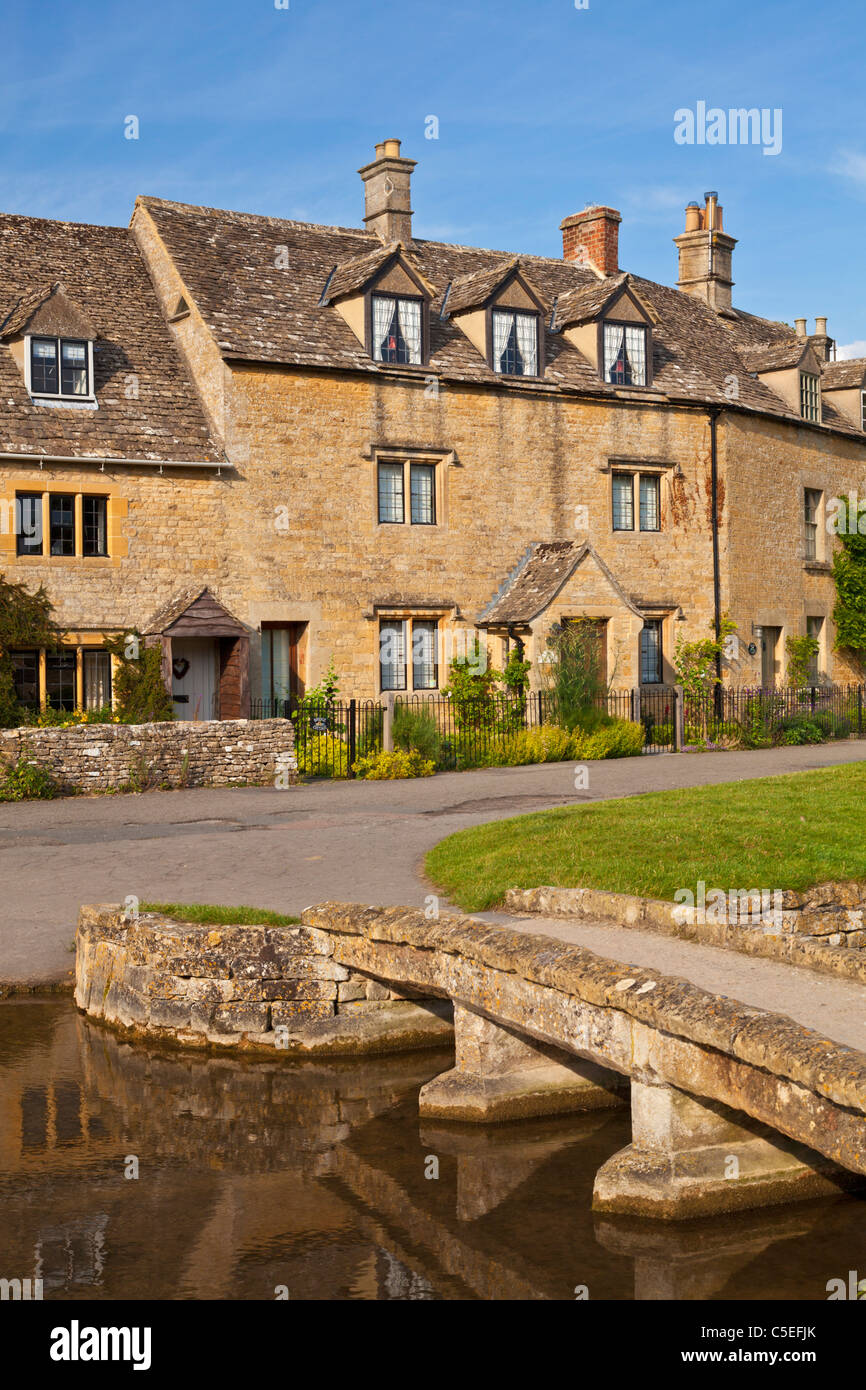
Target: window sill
x: 66, y: 402
x: 817, y: 567
x: 63, y: 559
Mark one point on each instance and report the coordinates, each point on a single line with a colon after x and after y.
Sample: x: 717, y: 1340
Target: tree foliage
x: 26, y: 621
x: 140, y: 694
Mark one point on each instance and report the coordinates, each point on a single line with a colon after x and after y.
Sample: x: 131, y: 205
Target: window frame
x: 815, y: 663
x: 648, y: 354
x: 61, y: 554
x: 408, y: 621
x: 406, y: 462
x: 810, y: 394
x: 812, y: 526
x: 658, y: 625
x: 89, y: 394
x: 863, y: 409
x: 79, y: 552
x: 94, y: 497
x: 421, y: 299
x: 637, y: 476
x: 22, y: 549
x: 496, y: 308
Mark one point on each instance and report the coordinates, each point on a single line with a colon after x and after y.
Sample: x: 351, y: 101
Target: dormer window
x: 396, y: 329
x: 810, y: 397
x: 59, y: 367
x: 625, y: 354
x: 515, y: 343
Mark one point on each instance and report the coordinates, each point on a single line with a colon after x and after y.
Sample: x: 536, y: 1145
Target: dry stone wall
x: 230, y: 986
x: 110, y: 757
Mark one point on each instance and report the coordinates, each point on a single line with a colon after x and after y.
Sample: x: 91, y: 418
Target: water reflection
x: 319, y: 1178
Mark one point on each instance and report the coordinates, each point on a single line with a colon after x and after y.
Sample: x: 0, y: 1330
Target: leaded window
x: 25, y: 678
x: 61, y: 511
x: 392, y: 655
x: 625, y: 354
x: 60, y: 680
x: 810, y: 397
x: 97, y: 680
x: 425, y: 663
x: 515, y: 343
x: 391, y: 507
x: 811, y: 505
x: 650, y: 509
x: 651, y: 652
x: 94, y: 514
x: 623, y: 502
x: 422, y: 488
x: 396, y: 329
x: 28, y: 523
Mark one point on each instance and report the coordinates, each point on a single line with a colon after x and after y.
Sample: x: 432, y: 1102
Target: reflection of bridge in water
x: 312, y: 1175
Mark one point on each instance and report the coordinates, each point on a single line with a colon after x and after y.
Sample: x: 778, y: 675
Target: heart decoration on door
x: 180, y: 666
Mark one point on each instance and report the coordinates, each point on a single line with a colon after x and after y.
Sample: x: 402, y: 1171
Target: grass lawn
x: 774, y: 832
x: 207, y: 914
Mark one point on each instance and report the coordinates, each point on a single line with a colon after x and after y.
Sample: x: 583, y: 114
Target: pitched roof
x: 586, y: 302
x: 191, y: 602
x: 100, y: 273
x: 537, y: 579
x: 836, y: 376
x: 773, y: 357
x: 258, y: 312
x: 472, y: 290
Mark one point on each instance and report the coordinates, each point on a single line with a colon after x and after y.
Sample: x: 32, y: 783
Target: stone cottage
x: 264, y: 444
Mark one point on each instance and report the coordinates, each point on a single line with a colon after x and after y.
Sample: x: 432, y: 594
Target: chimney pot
x: 693, y: 217
x: 800, y: 327
x: 591, y: 238
x: 392, y: 149
x: 705, y: 254
x: 821, y: 327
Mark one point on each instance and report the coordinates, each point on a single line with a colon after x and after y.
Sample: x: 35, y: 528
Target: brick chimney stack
x: 706, y: 252
x: 387, y: 190
x: 591, y: 238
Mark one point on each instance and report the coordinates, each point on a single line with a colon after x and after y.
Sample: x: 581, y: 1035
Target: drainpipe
x: 713, y: 416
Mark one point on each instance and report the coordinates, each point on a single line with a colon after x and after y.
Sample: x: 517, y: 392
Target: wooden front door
x: 194, y: 677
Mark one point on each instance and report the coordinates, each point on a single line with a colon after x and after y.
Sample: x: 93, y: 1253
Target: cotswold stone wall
x: 236, y: 986
x: 103, y: 757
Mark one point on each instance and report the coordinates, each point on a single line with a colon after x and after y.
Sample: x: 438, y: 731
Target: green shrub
x: 799, y: 728
x: 24, y: 781
x: 662, y: 734
x: 416, y: 732
x: 621, y: 739
x: 832, y: 725
x: 549, y: 744
x: 381, y: 767
x: 322, y: 755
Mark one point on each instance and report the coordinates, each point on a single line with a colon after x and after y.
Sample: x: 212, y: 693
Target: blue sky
x: 542, y: 108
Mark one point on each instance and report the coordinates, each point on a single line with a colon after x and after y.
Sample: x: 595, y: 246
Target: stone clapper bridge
x: 732, y: 1107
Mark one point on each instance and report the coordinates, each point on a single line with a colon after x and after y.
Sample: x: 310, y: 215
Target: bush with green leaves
x: 416, y: 732
x: 387, y: 767
x: 140, y: 694
x: 322, y: 755
x: 799, y: 728
x: 25, y: 781
x: 572, y: 672
x: 619, y: 739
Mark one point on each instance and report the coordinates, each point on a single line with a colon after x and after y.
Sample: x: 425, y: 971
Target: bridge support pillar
x: 503, y: 1075
x: 691, y: 1157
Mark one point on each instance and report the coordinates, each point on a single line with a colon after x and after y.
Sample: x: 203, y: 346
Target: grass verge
x: 773, y: 832
x: 214, y: 914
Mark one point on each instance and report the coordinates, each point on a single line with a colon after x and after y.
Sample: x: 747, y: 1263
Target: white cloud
x: 851, y: 166
x: 846, y: 351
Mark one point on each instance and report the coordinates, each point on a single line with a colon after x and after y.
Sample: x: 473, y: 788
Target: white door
x: 193, y: 677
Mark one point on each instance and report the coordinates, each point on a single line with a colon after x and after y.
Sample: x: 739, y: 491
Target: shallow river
x: 320, y: 1180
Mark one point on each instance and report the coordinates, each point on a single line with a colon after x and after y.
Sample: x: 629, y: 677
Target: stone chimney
x: 821, y: 341
x: 387, y: 189
x: 591, y: 238
x: 800, y: 327
x: 705, y: 254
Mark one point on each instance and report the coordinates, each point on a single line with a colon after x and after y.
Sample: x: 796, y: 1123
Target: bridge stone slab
x: 500, y: 1074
